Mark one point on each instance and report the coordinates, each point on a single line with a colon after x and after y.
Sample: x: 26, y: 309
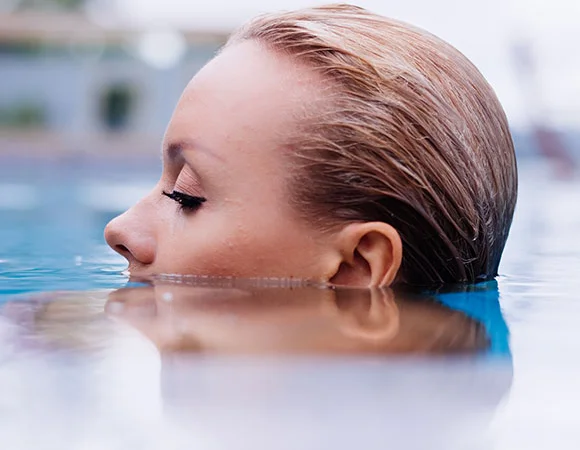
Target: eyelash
x: 186, y: 202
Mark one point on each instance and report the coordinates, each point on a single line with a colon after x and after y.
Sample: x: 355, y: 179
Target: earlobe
x: 371, y: 255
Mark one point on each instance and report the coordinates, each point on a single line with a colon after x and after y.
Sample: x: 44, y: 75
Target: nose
x: 132, y: 237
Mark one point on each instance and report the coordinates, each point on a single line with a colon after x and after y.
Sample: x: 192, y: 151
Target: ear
x: 371, y: 254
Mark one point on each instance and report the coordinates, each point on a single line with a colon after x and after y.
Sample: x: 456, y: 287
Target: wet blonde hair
x: 408, y: 133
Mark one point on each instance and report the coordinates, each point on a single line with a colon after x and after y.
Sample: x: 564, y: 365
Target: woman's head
x: 334, y: 144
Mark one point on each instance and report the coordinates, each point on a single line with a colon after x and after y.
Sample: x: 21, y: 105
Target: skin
x: 223, y: 143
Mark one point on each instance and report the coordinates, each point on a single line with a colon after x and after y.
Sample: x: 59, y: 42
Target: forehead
x: 245, y: 95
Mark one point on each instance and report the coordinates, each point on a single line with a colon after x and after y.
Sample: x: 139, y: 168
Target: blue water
x: 128, y: 395
x: 52, y: 218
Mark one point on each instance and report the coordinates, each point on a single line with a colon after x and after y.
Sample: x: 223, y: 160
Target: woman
x: 330, y: 144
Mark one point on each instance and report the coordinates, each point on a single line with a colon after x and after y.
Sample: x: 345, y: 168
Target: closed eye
x: 187, y: 202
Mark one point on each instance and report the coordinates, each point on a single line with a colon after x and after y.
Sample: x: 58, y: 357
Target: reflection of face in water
x: 268, y: 320
x: 288, y: 403
x: 264, y: 402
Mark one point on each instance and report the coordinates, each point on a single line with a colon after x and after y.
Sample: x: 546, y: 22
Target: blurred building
x: 66, y: 78
x: 71, y: 80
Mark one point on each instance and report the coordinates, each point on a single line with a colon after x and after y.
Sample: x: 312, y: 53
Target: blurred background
x: 102, y: 76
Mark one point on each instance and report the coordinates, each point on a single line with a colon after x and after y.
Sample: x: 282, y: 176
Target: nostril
x: 122, y: 249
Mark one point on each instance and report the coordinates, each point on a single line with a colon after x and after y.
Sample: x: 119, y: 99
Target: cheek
x: 220, y: 244
x: 201, y: 247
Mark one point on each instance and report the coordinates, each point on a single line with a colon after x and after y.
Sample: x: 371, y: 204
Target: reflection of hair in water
x: 481, y: 302
x: 426, y: 325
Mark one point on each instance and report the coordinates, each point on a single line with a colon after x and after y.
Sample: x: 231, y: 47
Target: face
x: 221, y: 206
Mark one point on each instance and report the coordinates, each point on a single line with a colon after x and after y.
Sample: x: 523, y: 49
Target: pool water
x: 52, y: 217
x: 103, y: 366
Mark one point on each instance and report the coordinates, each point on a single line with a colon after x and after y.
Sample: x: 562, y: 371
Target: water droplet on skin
x: 167, y: 296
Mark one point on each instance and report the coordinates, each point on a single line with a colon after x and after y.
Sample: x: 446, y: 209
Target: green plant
x: 69, y: 5
x: 22, y: 115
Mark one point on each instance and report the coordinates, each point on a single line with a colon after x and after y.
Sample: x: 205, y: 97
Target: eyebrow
x: 174, y: 149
